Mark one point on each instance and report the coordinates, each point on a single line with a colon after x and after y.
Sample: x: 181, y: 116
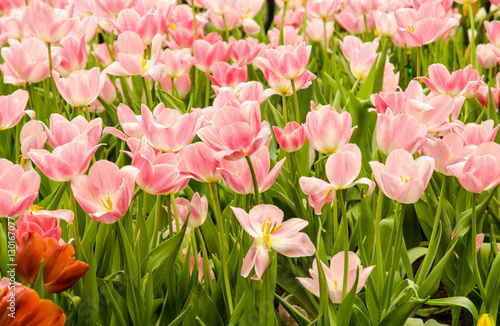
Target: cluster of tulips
x: 249, y: 162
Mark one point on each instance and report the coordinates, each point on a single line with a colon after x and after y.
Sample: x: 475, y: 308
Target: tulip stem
x: 419, y: 58
x: 304, y: 21
x: 346, y: 241
x: 75, y: 223
x: 226, y: 32
x: 473, y: 56
x: 473, y: 243
x: 378, y: 244
x: 296, y: 101
x: 325, y: 63
x: 52, y: 84
x: 176, y: 216
x: 147, y: 90
x: 207, y: 98
x: 395, y: 255
x: 426, y: 264
x: 158, y: 220
x: 207, y: 278
x: 172, y: 87
x: 283, y: 104
x: 195, y: 23
x: 214, y: 197
x: 282, y: 22
x: 254, y: 180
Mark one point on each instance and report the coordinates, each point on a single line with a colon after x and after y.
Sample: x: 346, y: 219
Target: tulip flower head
x: 264, y: 223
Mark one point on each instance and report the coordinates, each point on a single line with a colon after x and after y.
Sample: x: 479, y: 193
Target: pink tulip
x: 335, y: 276
x: 197, y: 209
x: 12, y: 109
x: 101, y: 53
x: 460, y: 83
x: 27, y: 61
x: 362, y: 7
x: 281, y: 85
x: 352, y: 22
x: 225, y: 75
x: 32, y: 137
x: 85, y: 28
x: 287, y: 62
x: 201, y: 162
x: 264, y: 223
x: 73, y: 55
x: 18, y: 189
x: 158, y: 173
x: 206, y: 54
x: 130, y: 123
x: 493, y: 32
x: 65, y: 161
x: 48, y: 24
x: 361, y: 56
x: 81, y: 87
x: 483, y: 94
x: 249, y: 91
x: 315, y: 30
x: 323, y: 9
x: 108, y: 94
x: 106, y: 192
x: 146, y: 26
x: 447, y: 151
x: 232, y: 20
x: 474, y: 134
x: 44, y: 224
x: 133, y: 61
x: 386, y: 23
x: 236, y: 133
x: 244, y: 51
x: 175, y: 62
x: 292, y: 138
x: 112, y: 7
x: 238, y: 177
x: 424, y: 26
x: 481, y: 171
x: 14, y: 26
x: 62, y: 131
x: 181, y: 30
x: 327, y: 130
x: 167, y: 129
x: 402, y: 178
x: 290, y: 36
x: 342, y: 168
x: 486, y: 56
x: 182, y: 86
x: 401, y: 131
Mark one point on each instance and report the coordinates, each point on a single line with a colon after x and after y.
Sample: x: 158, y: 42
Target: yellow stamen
x: 144, y: 63
x: 411, y: 28
x: 169, y: 125
x: 35, y: 208
x: 405, y: 179
x: 106, y: 202
x: 172, y: 26
x: 15, y: 199
x: 336, y: 284
x: 328, y: 193
x: 269, y: 229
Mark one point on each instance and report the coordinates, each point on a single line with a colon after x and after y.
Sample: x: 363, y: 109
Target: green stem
x: 473, y: 56
x: 214, y: 198
x: 282, y: 23
x: 426, y: 264
x: 207, y: 279
x: 207, y: 91
x: 172, y: 87
x: 346, y: 241
x: 147, y: 89
x: 304, y: 22
x: 75, y: 223
x: 473, y: 245
x: 158, y: 220
x: 176, y: 216
x: 419, y: 59
x: 395, y: 256
x: 325, y: 64
x: 378, y: 243
x: 296, y: 102
x: 283, y: 104
x: 254, y: 180
x: 17, y: 151
x: 195, y: 23
x: 52, y: 84
x: 226, y: 32
x: 195, y: 85
x: 296, y: 161
x: 145, y: 204
x: 355, y: 85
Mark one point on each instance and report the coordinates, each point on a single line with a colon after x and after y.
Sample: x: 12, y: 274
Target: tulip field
x: 249, y: 162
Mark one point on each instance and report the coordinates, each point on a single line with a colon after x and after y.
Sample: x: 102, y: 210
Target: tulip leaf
x: 455, y: 301
x: 89, y: 306
x: 492, y: 288
x: 39, y: 285
x: 346, y: 306
x: 171, y: 101
x: 430, y: 285
x: 238, y: 310
x: 296, y: 315
x: 203, y: 307
x: 114, y: 306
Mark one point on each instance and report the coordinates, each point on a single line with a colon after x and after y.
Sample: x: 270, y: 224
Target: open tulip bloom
x: 250, y: 162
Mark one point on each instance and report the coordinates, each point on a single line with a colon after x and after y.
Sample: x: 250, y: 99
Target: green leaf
x: 203, y: 307
x: 455, y: 301
x: 39, y: 285
x: 171, y: 101
x: 114, y: 306
x: 492, y: 288
x: 180, y: 318
x: 89, y: 306
x: 296, y: 315
x: 345, y: 310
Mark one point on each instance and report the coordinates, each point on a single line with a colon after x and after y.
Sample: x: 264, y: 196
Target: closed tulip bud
x: 486, y: 320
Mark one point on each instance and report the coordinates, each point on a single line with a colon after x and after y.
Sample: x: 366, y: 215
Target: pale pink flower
x: 249, y: 91
x: 486, y: 56
x: 362, y: 7
x: 206, y: 54
x: 425, y: 25
x: 146, y: 26
x: 107, y: 94
x: 402, y: 178
x: 106, y: 192
x: 85, y: 28
x: 18, y: 189
x: 107, y: 8
x: 493, y: 32
x: 323, y: 9
x: 244, y: 51
x: 63, y: 131
x: 316, y: 32
x: 175, y: 62
x: 158, y: 173
x: 282, y: 85
x: 226, y: 75
x: 400, y: 131
x: 386, y: 23
x: 73, y: 55
x: 130, y: 123
x: 361, y: 56
x: 197, y: 209
x: 328, y: 130
x: 65, y: 161
x: 101, y: 53
x: 287, y: 62
x: 335, y: 276
x: 81, y: 87
x: 236, y: 133
x: 352, y: 22
x: 42, y: 222
x: 13, y: 25
x: 341, y: 168
x: 32, y: 136
x: 167, y: 129
x: 481, y: 171
x: 12, y: 109
x: 264, y: 223
x: 290, y: 36
x: 447, y: 151
x: 48, y: 24
x: 238, y: 177
x: 201, y: 163
x: 474, y: 134
x: 181, y: 27
x: 292, y: 138
x: 182, y: 86
x: 462, y: 82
